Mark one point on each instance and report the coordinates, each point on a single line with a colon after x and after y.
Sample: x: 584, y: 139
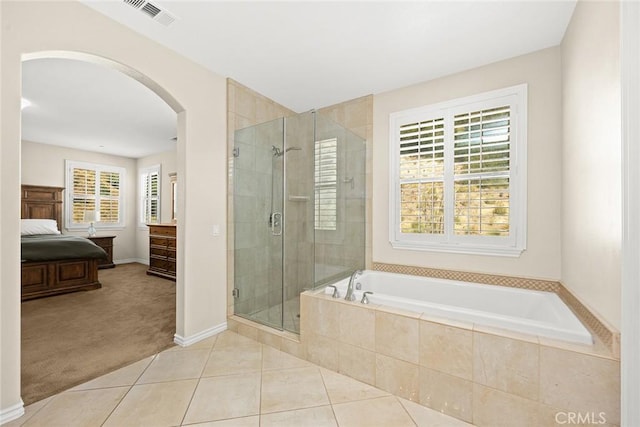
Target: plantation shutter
x: 109, y: 197
x: 482, y: 145
x: 422, y: 177
x: 326, y: 184
x: 84, y: 193
x: 458, y: 174
x: 93, y: 188
x: 151, y: 197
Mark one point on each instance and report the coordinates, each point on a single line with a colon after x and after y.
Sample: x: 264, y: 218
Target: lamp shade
x: 90, y: 216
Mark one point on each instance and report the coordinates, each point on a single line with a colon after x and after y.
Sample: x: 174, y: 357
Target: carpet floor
x: 72, y: 338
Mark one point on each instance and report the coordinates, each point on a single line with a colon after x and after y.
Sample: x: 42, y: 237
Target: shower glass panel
x: 339, y: 202
x: 258, y: 172
x: 299, y: 213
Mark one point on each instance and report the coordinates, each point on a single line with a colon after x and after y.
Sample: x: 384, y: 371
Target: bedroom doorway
x: 72, y: 110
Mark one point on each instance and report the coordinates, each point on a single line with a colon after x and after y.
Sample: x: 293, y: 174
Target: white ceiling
x: 306, y: 54
x: 91, y: 107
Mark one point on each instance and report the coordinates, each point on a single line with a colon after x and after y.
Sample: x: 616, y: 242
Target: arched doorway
x: 94, y: 115
x: 199, y: 96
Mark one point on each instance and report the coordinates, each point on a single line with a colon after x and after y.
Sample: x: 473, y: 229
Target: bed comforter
x: 51, y: 247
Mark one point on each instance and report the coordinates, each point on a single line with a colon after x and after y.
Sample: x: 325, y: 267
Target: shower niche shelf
x: 298, y: 198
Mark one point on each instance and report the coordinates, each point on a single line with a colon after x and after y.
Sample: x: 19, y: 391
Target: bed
x: 53, y: 264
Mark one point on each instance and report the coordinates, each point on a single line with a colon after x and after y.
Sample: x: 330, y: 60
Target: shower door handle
x: 276, y: 224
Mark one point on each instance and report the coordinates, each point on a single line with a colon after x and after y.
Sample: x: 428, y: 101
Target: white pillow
x: 38, y: 226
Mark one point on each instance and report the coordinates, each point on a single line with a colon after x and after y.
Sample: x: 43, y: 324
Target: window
x: 94, y: 191
x: 326, y: 184
x: 458, y: 175
x: 149, y: 212
x: 173, y: 176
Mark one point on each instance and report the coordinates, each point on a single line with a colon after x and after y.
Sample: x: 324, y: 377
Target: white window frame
x: 73, y: 164
x: 329, y: 205
x: 143, y: 205
x: 512, y: 245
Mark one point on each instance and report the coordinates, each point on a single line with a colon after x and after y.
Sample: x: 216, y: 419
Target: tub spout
x: 350, y: 296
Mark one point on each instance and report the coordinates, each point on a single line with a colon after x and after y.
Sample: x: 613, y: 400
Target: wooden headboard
x: 40, y: 202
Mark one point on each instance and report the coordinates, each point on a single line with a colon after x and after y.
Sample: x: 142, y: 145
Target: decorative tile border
x: 609, y: 335
x: 463, y: 276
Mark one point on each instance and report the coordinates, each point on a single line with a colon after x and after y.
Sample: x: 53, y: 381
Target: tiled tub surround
x: 482, y: 375
x: 599, y: 327
x: 520, y: 310
x: 478, y: 374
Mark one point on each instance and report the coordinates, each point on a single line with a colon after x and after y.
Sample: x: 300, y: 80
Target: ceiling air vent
x: 153, y: 11
x: 135, y: 3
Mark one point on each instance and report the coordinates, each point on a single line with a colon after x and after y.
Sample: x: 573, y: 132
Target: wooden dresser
x: 162, y: 250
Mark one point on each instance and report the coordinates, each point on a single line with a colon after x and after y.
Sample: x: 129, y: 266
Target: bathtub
x: 521, y: 310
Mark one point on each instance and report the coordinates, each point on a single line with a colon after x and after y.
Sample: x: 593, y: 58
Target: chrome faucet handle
x: 364, y: 299
x: 335, y: 294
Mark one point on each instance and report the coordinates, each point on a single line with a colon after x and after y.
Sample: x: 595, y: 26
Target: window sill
x: 455, y: 248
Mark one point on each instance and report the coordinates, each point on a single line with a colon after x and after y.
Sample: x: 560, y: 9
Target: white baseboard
x: 187, y: 341
x: 11, y: 413
x: 130, y: 260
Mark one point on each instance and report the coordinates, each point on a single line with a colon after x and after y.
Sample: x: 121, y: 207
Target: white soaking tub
x: 522, y: 310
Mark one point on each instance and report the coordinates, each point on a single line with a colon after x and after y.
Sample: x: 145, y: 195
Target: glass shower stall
x: 299, y: 213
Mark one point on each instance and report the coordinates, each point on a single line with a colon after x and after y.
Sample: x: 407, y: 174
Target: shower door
x: 299, y: 213
x: 258, y: 182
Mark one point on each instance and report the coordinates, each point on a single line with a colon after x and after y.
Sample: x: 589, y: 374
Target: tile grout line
x: 186, y: 411
x: 261, y: 384
x: 324, y: 384
x: 405, y: 410
x: 128, y: 391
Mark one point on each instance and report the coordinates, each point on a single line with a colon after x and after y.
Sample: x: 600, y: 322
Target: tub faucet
x: 335, y: 294
x: 364, y: 299
x: 350, y: 296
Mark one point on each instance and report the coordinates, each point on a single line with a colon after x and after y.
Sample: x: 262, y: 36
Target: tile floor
x: 227, y: 380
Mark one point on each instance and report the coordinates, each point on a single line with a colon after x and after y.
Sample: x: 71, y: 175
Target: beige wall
x: 541, y: 71
x: 591, y: 204
x: 198, y: 96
